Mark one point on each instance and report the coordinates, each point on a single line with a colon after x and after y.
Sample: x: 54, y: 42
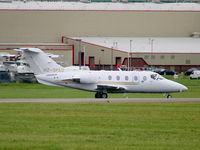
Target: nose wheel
x: 169, y: 96
x: 101, y: 95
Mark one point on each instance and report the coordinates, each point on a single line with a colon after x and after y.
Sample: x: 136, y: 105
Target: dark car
x: 190, y: 71
x: 158, y: 70
x: 166, y: 72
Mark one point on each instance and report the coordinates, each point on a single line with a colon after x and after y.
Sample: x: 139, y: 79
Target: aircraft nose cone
x: 177, y: 87
x: 183, y: 88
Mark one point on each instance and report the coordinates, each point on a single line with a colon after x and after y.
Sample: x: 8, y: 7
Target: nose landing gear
x: 169, y: 96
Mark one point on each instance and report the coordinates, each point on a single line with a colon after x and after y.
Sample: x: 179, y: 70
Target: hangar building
x: 105, y: 35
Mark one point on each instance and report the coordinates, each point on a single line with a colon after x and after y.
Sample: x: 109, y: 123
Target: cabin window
x: 154, y: 76
x: 109, y: 77
x: 118, y: 77
x: 126, y: 78
x: 144, y: 78
x: 135, y: 78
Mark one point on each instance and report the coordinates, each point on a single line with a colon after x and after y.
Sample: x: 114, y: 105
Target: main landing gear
x: 101, y: 95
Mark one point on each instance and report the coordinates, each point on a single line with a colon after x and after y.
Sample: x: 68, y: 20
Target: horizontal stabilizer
x: 39, y: 61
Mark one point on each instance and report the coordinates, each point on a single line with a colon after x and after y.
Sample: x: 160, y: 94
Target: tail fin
x: 39, y: 61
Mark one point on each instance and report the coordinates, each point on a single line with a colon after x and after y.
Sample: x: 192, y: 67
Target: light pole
x: 152, y: 40
x: 112, y: 58
x: 79, y: 52
x: 152, y: 45
x: 102, y: 50
x: 84, y: 55
x: 131, y: 54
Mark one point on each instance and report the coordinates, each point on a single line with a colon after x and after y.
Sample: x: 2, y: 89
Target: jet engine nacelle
x: 87, y: 79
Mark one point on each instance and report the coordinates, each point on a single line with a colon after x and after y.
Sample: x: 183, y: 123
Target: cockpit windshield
x: 156, y: 77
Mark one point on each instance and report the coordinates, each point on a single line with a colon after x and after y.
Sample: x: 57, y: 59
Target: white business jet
x: 48, y: 72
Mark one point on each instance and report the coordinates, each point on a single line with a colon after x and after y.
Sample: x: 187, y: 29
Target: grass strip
x: 99, y: 126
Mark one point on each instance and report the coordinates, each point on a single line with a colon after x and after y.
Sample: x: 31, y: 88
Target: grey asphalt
x: 90, y: 100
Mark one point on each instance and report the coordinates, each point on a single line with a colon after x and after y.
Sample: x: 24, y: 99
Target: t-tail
x: 39, y: 61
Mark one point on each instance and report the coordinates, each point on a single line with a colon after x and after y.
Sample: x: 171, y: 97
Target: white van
x: 195, y: 74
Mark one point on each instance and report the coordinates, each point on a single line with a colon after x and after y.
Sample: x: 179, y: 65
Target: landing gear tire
x: 98, y: 95
x: 104, y: 95
x: 169, y: 96
x: 101, y: 95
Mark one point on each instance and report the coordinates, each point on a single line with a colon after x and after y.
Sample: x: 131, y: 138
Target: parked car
x: 157, y: 70
x: 2, y: 67
x: 164, y: 71
x: 195, y: 74
x: 190, y: 71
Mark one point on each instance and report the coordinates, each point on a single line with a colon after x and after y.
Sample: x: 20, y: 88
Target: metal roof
x: 33, y: 44
x: 146, y: 45
x: 36, y: 5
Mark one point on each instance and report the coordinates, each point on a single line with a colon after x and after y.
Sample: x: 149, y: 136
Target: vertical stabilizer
x: 39, y: 61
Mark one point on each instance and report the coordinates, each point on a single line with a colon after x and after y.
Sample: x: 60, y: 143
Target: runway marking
x: 85, y: 100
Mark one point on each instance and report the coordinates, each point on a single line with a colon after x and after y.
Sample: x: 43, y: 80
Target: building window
x: 187, y: 61
x: 153, y: 56
x: 146, y: 57
x: 162, y: 57
x: 172, y: 57
x: 118, y: 60
x: 91, y: 60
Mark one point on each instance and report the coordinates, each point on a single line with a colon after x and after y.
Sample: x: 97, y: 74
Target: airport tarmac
x: 90, y: 100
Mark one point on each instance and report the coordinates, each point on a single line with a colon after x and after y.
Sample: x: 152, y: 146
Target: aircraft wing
x: 111, y: 88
